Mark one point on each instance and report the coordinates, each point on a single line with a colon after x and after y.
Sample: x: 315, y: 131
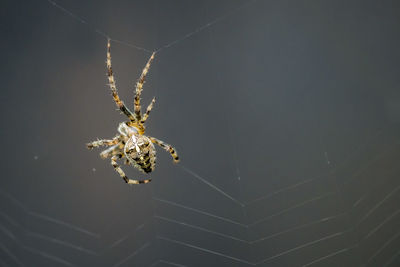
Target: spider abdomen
x: 145, y: 163
x: 140, y: 152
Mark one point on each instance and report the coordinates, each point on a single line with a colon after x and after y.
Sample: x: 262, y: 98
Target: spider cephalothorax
x: 131, y: 143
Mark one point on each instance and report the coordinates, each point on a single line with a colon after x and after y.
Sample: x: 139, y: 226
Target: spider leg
x: 103, y: 142
x: 109, y: 151
x: 111, y: 83
x: 122, y: 174
x: 167, y: 147
x: 149, y: 108
x: 139, y: 87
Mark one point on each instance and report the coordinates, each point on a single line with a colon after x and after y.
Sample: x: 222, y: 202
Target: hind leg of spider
x: 139, y: 87
x: 111, y: 83
x: 167, y: 147
x: 122, y: 173
x: 102, y: 142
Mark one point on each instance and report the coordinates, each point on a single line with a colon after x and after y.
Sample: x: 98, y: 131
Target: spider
x: 131, y: 142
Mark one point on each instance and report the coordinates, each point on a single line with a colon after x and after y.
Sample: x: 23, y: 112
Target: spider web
x: 279, y: 167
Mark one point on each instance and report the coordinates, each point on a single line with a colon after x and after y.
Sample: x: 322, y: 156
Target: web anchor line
x: 204, y: 26
x: 163, y: 47
x: 211, y: 185
x: 93, y: 28
x: 78, y: 18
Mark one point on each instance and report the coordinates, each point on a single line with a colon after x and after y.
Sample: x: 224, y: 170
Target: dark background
x: 285, y: 115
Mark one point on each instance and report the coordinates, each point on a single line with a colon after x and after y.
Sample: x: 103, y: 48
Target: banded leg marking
x: 122, y: 173
x: 167, y: 147
x: 110, y: 151
x: 148, y: 110
x: 111, y: 83
x: 102, y: 142
x: 139, y: 88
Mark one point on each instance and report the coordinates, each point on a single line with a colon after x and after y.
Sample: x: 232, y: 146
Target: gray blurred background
x: 285, y: 114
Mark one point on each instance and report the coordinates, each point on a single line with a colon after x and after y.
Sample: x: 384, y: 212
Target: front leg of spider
x: 131, y: 143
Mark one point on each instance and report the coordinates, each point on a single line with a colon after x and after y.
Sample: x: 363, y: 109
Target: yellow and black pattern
x: 122, y: 173
x: 111, y: 82
x: 141, y: 152
x: 103, y: 142
x: 167, y: 147
x: 111, y: 151
x: 149, y: 108
x: 139, y: 88
x: 131, y: 143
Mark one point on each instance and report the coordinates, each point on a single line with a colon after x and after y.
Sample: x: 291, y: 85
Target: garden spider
x: 131, y: 143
